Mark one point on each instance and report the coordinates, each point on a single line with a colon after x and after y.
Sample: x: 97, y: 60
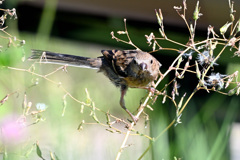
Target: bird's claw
x: 134, y: 119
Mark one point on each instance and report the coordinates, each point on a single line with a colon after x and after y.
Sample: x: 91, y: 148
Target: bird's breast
x: 139, y: 81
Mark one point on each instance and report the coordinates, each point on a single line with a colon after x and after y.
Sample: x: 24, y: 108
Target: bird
x: 124, y: 68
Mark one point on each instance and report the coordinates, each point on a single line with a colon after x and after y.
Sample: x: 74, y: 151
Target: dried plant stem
x: 131, y: 126
x: 85, y: 104
x: 144, y: 104
x: 179, y: 113
x: 66, y: 92
x: 169, y: 126
x: 151, y: 143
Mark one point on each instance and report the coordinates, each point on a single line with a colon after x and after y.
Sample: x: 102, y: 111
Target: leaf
x: 39, y: 152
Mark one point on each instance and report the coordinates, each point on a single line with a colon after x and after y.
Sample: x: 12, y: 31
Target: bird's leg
x: 151, y: 89
x: 122, y: 103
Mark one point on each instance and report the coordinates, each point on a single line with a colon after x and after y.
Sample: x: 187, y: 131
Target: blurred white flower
x: 215, y: 79
x: 41, y: 106
x: 206, y: 58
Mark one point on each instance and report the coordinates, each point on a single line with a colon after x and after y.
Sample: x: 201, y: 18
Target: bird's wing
x: 119, y: 59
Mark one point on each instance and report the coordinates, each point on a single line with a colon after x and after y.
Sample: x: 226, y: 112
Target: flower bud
x: 196, y: 11
x: 224, y: 28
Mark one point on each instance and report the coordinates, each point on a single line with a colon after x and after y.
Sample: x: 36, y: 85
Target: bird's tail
x: 65, y: 59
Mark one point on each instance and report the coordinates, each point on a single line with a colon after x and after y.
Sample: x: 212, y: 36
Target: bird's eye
x: 151, y: 61
x: 134, y: 61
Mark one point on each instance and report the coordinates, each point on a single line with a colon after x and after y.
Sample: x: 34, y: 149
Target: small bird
x: 125, y: 68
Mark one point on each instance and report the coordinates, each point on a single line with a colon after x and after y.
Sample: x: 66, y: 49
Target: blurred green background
x: 61, y: 26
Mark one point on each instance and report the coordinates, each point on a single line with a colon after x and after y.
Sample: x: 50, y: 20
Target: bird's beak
x: 143, y: 66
